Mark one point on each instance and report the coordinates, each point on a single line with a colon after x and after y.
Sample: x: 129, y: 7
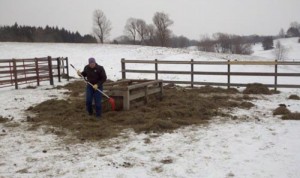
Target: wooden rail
x: 15, y: 72
x: 228, y: 73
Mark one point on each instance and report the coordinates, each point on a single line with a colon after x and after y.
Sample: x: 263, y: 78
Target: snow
x: 262, y: 145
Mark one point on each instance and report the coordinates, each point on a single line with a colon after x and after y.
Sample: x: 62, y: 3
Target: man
x: 95, y: 74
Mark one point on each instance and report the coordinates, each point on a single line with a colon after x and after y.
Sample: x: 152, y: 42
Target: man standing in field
x: 94, y: 74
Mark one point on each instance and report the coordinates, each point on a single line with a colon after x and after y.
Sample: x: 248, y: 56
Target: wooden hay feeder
x: 128, y: 93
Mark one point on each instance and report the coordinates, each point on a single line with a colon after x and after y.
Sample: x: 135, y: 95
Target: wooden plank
x: 126, y: 100
x: 117, y: 82
x: 121, y: 88
x: 5, y: 60
x: 7, y: 81
x: 140, y: 80
x: 252, y: 62
x: 143, y: 84
x: 113, y: 93
x: 160, y: 72
x: 4, y: 67
x: 231, y: 84
x: 261, y: 62
x: 142, y: 93
x: 217, y: 73
x: 174, y: 62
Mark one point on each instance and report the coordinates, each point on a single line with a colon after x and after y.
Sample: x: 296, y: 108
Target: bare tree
x: 240, y: 46
x: 280, y: 51
x: 224, y: 43
x: 150, y: 35
x: 102, y: 26
x: 162, y: 22
x: 206, y: 44
x: 179, y: 42
x: 295, y: 25
x: 131, y: 29
x: 281, y: 33
x: 141, y: 28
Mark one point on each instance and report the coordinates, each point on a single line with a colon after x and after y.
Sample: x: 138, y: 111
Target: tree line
x: 17, y: 33
x: 138, y: 32
x: 234, y: 44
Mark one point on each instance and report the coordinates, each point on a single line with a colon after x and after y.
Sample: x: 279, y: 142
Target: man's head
x: 92, y: 62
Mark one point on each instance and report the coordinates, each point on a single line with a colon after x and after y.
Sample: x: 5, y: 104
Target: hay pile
x: 179, y: 107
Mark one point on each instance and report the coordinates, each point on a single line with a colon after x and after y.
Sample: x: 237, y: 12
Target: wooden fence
x: 15, y: 72
x: 228, y: 73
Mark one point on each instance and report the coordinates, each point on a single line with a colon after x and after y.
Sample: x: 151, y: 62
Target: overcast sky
x: 192, y: 18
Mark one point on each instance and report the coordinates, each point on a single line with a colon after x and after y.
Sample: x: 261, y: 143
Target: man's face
x: 92, y: 65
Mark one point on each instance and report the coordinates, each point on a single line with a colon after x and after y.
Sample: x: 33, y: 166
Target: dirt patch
x: 3, y: 119
x: 247, y: 105
x: 167, y: 160
x: 291, y: 116
x: 281, y: 110
x: 286, y: 113
x: 179, y: 107
x: 257, y: 88
x: 210, y: 89
x: 294, y: 97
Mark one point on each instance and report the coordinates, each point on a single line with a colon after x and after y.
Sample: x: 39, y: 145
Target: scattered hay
x: 275, y: 91
x: 167, y: 161
x: 257, y: 88
x: 12, y: 124
x: 3, y: 119
x: 294, y: 97
x: 30, y: 87
x: 291, y: 116
x: 281, y: 110
x: 247, y: 105
x: 65, y: 76
x: 210, y: 89
x: 179, y: 107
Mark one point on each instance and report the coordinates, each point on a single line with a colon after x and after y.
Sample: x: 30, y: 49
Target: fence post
x: 228, y: 74
x: 24, y: 69
x: 276, y: 70
x: 63, y: 65
x: 192, y: 73
x: 37, y: 71
x: 10, y: 73
x: 123, y: 68
x: 67, y: 67
x: 15, y: 73
x: 58, y: 69
x: 156, y: 70
x: 50, y: 70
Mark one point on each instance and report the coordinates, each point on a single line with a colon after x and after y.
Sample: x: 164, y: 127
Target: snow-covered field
x: 260, y: 146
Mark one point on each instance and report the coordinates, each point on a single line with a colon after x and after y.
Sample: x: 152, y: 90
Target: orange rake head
x: 112, y: 103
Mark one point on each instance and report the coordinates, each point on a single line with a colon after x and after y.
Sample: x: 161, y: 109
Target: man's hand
x: 95, y: 87
x: 79, y: 73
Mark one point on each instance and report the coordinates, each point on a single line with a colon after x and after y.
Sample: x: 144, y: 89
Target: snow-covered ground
x: 260, y: 146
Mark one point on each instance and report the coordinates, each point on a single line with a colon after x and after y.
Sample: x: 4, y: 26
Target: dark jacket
x: 94, y: 75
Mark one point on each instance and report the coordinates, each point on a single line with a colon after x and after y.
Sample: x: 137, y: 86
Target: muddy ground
x: 179, y: 107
